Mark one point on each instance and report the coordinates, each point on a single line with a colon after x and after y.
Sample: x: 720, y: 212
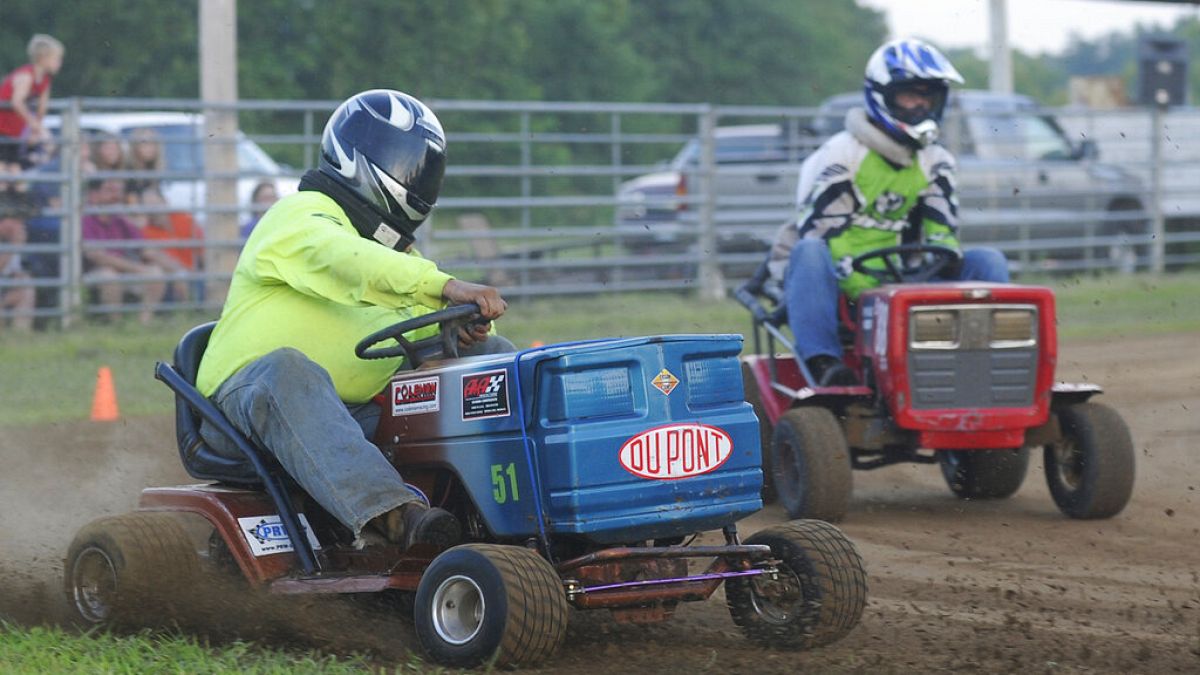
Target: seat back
x: 198, y: 458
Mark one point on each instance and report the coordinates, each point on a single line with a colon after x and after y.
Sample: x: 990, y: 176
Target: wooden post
x: 218, y: 90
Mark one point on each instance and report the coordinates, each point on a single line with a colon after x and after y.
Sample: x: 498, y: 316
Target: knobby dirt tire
x: 523, y: 616
x: 832, y: 588
x: 810, y: 465
x: 143, y: 563
x: 984, y: 474
x: 1090, y: 470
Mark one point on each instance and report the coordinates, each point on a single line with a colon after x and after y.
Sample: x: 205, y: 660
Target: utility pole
x: 218, y: 89
x: 1000, y: 78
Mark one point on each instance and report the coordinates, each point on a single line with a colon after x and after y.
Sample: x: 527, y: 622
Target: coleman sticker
x: 665, y: 382
x: 485, y: 395
x: 676, y: 451
x: 415, y: 396
x: 266, y: 535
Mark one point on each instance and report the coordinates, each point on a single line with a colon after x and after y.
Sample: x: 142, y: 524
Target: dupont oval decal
x: 676, y: 451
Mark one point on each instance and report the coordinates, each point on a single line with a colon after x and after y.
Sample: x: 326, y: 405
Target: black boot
x: 829, y: 371
x: 415, y: 523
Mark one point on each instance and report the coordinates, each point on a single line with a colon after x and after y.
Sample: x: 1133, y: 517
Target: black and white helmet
x: 388, y: 149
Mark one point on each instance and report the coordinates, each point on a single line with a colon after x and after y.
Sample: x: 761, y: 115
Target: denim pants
x: 811, y: 289
x: 286, y: 404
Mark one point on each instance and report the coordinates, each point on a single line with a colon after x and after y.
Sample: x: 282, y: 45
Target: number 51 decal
x: 499, y: 491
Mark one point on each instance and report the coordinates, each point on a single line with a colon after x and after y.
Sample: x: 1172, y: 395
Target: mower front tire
x: 489, y: 604
x: 984, y: 474
x: 810, y: 465
x: 1090, y: 469
x: 816, y: 598
x: 130, y: 570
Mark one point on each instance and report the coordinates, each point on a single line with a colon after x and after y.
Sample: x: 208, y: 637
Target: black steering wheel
x: 442, y: 345
x: 908, y: 263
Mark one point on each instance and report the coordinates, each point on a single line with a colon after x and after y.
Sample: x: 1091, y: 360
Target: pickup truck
x: 1023, y: 185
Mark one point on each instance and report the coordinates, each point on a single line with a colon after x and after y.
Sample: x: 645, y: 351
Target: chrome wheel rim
x: 94, y: 584
x: 775, y: 600
x: 458, y: 608
x: 1068, y: 464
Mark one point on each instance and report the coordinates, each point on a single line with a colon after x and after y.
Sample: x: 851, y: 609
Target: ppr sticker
x: 665, y: 382
x: 266, y: 535
x: 485, y: 395
x: 416, y: 396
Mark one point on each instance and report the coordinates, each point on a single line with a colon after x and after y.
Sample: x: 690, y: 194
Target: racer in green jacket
x: 881, y: 182
x: 324, y: 268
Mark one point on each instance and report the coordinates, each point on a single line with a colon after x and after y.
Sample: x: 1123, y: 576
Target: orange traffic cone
x: 104, y: 402
x: 537, y: 343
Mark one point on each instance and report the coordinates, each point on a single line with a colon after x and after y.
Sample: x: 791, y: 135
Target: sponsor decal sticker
x: 266, y: 535
x: 416, y: 396
x: 665, y: 382
x: 485, y: 395
x: 676, y: 451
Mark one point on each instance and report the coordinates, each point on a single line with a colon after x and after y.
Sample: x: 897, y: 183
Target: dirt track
x: 954, y: 586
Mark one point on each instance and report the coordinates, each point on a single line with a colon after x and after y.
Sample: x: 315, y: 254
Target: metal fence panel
x: 546, y: 198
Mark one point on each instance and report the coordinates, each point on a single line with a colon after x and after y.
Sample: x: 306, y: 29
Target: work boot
x: 415, y: 523
x: 829, y: 371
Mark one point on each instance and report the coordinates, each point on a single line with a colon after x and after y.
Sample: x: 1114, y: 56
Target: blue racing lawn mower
x: 581, y: 475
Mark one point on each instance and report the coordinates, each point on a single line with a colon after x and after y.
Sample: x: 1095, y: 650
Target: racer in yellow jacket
x: 324, y: 268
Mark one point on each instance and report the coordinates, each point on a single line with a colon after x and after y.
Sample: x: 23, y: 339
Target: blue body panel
x: 690, y: 445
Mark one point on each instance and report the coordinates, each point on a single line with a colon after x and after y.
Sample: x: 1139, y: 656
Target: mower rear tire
x: 810, y: 465
x: 1090, y: 470
x: 130, y: 570
x: 984, y: 474
x: 489, y: 604
x: 818, y: 596
x: 765, y: 430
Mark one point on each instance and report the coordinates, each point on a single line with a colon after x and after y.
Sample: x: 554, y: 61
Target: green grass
x: 51, y: 376
x: 51, y: 650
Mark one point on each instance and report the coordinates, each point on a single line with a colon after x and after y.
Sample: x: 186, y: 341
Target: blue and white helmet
x: 911, y: 65
x: 388, y: 149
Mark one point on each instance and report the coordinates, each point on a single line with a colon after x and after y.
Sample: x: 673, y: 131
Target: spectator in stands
x: 174, y: 226
x: 261, y: 199
x: 107, y: 153
x: 16, y: 294
x: 20, y: 126
x: 103, y: 268
x: 145, y: 154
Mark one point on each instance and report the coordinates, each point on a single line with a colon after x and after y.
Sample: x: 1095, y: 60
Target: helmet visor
x: 914, y: 101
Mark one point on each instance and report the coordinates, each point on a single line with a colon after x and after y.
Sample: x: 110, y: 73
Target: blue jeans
x: 286, y: 404
x: 811, y: 289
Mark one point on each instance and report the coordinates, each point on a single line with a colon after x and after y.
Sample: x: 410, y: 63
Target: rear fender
x: 222, y: 507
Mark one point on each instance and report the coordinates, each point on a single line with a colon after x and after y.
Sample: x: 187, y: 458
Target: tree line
x: 720, y: 51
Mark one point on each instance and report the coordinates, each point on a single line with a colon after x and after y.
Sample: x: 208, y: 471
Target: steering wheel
x: 442, y: 345
x: 908, y: 263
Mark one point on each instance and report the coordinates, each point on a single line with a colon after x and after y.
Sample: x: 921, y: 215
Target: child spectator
x: 103, y: 268
x: 107, y: 154
x: 261, y: 199
x: 20, y: 127
x: 16, y: 294
x: 145, y: 154
x: 174, y: 226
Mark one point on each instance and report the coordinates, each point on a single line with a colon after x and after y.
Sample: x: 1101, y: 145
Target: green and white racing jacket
x: 862, y: 191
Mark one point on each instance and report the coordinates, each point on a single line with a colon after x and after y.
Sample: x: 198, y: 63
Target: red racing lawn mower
x: 955, y: 374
